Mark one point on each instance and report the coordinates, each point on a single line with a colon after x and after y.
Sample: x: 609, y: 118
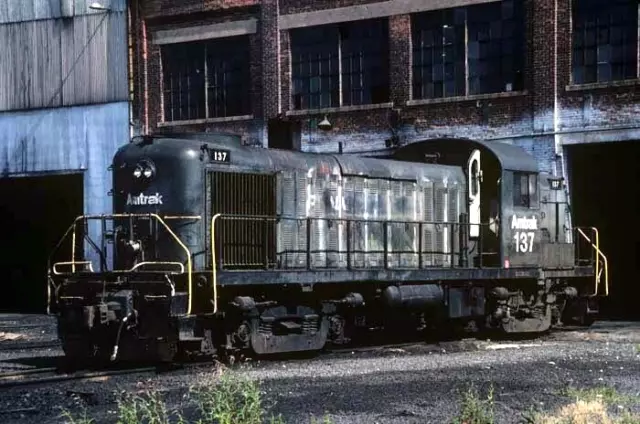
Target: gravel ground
x: 415, y: 384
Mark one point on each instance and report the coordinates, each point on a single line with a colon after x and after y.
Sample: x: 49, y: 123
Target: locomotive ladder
x: 599, y: 255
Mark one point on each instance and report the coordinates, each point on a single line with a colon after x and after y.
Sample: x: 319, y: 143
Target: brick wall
x: 173, y: 8
x: 299, y: 6
x: 250, y: 129
x: 526, y: 118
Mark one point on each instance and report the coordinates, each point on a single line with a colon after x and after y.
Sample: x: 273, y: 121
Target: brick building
x: 538, y: 73
x: 552, y: 76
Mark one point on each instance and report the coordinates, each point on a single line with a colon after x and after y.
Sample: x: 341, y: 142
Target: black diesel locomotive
x: 218, y: 247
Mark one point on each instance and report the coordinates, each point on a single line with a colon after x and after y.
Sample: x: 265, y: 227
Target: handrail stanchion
x: 453, y: 246
x: 265, y: 241
x: 308, y: 243
x: 385, y: 241
x: 420, y: 258
x: 348, y: 244
x: 73, y: 247
x: 213, y: 262
x: 599, y: 253
x: 189, y: 267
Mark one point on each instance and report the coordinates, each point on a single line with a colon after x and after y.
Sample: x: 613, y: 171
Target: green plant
x: 71, y: 420
x: 475, y: 410
x: 148, y: 408
x: 325, y: 420
x: 605, y: 394
x: 231, y: 400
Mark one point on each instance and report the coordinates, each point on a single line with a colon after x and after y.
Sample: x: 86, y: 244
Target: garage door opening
x: 604, y: 188
x: 34, y: 214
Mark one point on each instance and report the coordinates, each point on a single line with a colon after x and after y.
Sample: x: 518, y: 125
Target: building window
x: 605, y: 38
x: 468, y: 50
x: 340, y: 65
x: 525, y: 190
x: 206, y: 79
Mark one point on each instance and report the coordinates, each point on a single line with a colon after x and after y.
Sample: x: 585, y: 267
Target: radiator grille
x: 242, y: 243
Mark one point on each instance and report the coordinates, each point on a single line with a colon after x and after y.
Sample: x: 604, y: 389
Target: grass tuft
x: 232, y: 399
x: 591, y: 406
x: 474, y: 409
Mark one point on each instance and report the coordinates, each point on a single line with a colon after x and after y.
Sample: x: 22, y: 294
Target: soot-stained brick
x: 547, y: 101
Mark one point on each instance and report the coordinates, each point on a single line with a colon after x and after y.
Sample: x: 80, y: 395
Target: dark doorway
x: 284, y: 134
x: 34, y: 212
x: 604, y: 188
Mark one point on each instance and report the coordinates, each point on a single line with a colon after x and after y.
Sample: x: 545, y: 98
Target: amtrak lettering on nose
x: 142, y: 199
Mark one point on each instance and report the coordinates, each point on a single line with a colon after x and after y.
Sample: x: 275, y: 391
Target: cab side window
x: 525, y: 190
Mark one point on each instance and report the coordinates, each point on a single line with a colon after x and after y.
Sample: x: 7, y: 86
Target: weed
x: 232, y: 400
x: 607, y: 395
x: 325, y: 420
x: 148, y: 408
x: 590, y: 407
x: 71, y: 420
x: 475, y: 410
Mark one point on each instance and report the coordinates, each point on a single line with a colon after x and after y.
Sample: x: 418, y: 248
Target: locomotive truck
x: 215, y: 247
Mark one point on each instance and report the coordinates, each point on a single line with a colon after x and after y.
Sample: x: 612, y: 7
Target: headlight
x: 144, y: 168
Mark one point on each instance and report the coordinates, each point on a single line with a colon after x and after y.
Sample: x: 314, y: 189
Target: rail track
x: 46, y: 376
x: 54, y: 375
x: 20, y: 345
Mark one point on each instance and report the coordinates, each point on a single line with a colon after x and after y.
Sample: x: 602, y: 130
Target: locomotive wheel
x: 577, y: 313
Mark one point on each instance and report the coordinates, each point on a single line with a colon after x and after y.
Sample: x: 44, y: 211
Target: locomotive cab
x: 503, y: 198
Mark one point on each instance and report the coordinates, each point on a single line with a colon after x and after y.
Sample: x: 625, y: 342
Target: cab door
x: 474, y: 176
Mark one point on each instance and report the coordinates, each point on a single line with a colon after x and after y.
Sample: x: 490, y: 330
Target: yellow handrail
x: 596, y: 247
x: 73, y: 248
x: 141, y: 264
x: 141, y: 215
x: 50, y: 282
x: 213, y: 262
x: 73, y: 265
x: 177, y: 239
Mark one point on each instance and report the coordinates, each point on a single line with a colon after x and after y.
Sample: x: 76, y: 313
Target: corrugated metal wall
x: 31, y: 10
x: 81, y: 138
x: 61, y: 139
x: 61, y: 62
x: 64, y: 92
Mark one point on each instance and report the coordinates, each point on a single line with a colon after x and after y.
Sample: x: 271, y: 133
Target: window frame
x: 529, y: 198
x: 467, y: 65
x: 236, y: 95
x: 339, y: 69
x: 586, y: 17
